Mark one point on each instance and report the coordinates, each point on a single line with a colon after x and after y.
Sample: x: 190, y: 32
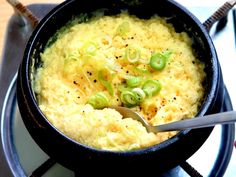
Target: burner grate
x: 42, y: 169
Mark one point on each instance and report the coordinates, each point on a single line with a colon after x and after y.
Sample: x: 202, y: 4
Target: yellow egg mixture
x: 121, y: 60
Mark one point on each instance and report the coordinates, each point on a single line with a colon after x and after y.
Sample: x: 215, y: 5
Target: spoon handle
x: 198, y: 122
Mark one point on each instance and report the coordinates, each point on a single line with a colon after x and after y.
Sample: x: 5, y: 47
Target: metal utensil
x: 193, y: 123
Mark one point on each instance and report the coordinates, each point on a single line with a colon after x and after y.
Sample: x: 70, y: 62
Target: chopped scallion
x: 132, y: 97
x: 128, y: 98
x: 104, y: 76
x: 158, y: 61
x: 142, y: 70
x: 71, y: 63
x: 98, y: 101
x: 166, y: 54
x: 123, y: 28
x: 133, y: 81
x: 89, y: 48
x: 132, y: 54
x: 151, y: 87
x: 123, y: 87
x: 139, y: 94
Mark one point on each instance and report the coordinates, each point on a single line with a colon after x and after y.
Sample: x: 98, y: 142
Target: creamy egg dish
x: 142, y: 64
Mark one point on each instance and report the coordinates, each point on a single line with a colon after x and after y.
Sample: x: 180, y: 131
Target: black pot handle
x: 221, y: 12
x: 24, y: 12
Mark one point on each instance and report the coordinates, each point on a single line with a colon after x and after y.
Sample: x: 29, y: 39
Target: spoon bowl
x: 192, y: 123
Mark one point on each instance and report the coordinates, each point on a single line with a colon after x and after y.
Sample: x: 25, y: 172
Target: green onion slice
x: 151, y: 87
x: 71, y: 63
x: 128, y: 98
x: 98, y: 101
x: 166, y: 54
x: 105, y: 77
x: 123, y: 87
x: 132, y: 54
x: 89, y: 48
x: 158, y: 61
x: 142, y: 70
x: 139, y: 94
x: 133, y: 81
x: 123, y: 28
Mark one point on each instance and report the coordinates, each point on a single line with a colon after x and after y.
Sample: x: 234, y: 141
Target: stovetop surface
x: 17, y: 35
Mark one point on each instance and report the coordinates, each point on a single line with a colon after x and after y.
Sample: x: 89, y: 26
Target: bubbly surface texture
x: 118, y: 60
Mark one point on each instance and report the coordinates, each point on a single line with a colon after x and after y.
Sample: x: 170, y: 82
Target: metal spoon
x: 193, y: 123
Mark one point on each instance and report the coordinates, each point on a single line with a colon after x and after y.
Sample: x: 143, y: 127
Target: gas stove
x: 20, y: 155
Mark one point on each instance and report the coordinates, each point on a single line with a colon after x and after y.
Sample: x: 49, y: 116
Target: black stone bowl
x: 90, y: 161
